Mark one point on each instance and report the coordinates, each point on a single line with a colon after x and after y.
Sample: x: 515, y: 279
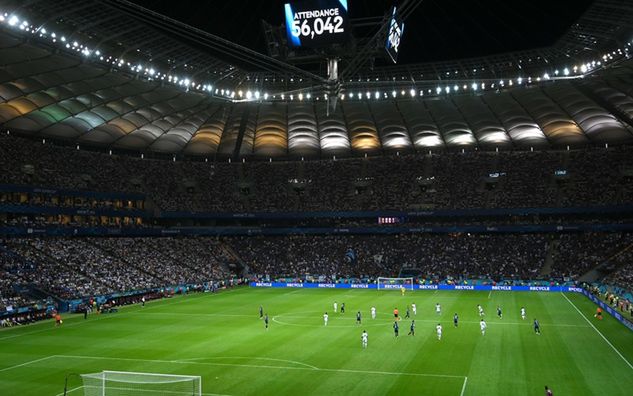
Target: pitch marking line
x: 135, y: 390
x: 384, y: 322
x: 69, y: 391
x: 319, y: 318
x: 464, y: 386
x: 27, y: 363
x: 329, y: 370
x: 254, y: 358
x: 598, y: 331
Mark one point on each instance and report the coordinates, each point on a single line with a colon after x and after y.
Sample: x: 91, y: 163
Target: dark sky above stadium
x: 437, y: 30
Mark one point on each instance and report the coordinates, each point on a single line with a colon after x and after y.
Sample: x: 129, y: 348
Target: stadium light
x: 13, y: 20
x: 474, y: 86
x: 412, y: 92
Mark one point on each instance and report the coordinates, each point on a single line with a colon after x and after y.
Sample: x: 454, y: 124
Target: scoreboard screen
x: 317, y: 23
x: 394, y: 35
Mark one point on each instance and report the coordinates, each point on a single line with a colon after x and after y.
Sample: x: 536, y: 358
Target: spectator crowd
x: 448, y: 180
x: 81, y: 267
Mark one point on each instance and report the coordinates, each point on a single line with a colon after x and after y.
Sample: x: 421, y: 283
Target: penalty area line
x: 598, y: 331
x: 27, y: 363
x: 330, y: 370
x: 464, y: 386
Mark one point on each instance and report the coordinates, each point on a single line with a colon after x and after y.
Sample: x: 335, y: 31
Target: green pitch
x: 221, y: 338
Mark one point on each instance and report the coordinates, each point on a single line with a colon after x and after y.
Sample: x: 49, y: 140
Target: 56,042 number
x: 318, y: 27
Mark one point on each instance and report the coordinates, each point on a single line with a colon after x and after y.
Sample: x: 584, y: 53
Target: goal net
x: 123, y: 383
x: 395, y: 283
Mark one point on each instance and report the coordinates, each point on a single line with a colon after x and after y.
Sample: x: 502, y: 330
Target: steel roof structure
x: 107, y: 101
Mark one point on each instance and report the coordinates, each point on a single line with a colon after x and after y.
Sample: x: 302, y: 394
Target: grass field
x: 221, y: 338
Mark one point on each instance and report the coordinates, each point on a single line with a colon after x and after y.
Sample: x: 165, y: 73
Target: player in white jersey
x: 481, y: 310
x: 363, y: 339
x: 482, y: 326
x: 335, y: 307
x: 415, y: 309
x: 325, y: 318
x: 373, y: 312
x: 438, y: 329
x: 523, y: 315
x: 438, y: 309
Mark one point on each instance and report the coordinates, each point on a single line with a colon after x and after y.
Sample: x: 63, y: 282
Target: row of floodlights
x: 577, y: 71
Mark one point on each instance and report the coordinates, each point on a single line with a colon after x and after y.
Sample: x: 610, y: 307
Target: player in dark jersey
x: 261, y: 312
x: 406, y: 316
x: 396, y: 328
x: 266, y: 321
x: 537, y: 327
x: 343, y: 308
x: 499, y: 313
x: 358, y: 317
x: 412, y: 328
x: 455, y: 320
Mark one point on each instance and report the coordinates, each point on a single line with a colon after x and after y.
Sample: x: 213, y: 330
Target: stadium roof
x: 513, y: 39
x: 100, y: 74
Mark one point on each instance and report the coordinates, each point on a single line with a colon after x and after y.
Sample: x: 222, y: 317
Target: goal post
x: 125, y: 383
x: 394, y: 283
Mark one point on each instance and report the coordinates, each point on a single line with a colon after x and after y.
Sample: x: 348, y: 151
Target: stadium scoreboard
x: 317, y: 23
x: 394, y: 35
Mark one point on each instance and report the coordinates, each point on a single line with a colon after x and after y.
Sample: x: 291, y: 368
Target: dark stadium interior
x: 140, y: 155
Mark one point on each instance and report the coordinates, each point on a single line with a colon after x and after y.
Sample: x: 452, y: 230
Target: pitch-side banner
x: 416, y: 287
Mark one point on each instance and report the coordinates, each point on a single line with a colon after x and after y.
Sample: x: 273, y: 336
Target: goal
x: 124, y: 383
x: 394, y: 283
